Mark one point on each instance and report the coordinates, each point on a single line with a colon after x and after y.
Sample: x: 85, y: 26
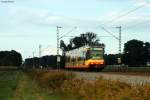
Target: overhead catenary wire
x: 119, y: 17
x: 127, y: 13
x: 122, y: 15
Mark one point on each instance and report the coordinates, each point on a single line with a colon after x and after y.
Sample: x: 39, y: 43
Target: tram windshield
x: 95, y: 53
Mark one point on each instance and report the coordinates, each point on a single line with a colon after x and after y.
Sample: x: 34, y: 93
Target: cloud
x: 126, y: 20
x: 142, y: 2
x: 43, y: 18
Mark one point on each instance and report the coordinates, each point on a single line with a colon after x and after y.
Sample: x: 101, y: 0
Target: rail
x: 117, y: 68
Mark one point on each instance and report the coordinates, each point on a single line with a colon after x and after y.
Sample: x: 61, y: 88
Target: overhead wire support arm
x: 69, y: 36
x: 104, y: 36
x: 64, y: 35
x: 110, y: 33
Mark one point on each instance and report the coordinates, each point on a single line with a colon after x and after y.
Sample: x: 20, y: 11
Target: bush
x: 71, y: 88
x: 104, y: 89
x: 65, y: 85
x: 51, y: 79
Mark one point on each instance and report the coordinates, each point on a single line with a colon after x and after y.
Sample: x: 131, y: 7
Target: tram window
x: 80, y: 58
x: 68, y: 59
x: 76, y: 59
x: 72, y: 59
x: 96, y: 54
x: 88, y: 54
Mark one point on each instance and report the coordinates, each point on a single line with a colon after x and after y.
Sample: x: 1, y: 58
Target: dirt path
x: 28, y: 89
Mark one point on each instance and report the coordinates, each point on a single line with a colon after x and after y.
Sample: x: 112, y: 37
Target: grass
x: 17, y: 85
x: 28, y: 89
x: 8, y: 83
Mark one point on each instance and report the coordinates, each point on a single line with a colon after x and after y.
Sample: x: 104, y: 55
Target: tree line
x: 135, y: 53
x: 10, y: 58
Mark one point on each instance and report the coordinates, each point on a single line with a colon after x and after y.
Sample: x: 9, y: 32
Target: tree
x: 18, y: 58
x: 10, y: 58
x: 78, y: 42
x: 63, y: 46
x: 88, y: 38
x: 111, y: 59
x: 147, y: 51
x: 134, y: 53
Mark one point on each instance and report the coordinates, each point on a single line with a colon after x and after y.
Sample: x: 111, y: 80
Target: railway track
x: 131, y: 78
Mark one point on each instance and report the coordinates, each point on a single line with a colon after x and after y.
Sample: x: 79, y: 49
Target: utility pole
x: 58, y: 38
x: 33, y: 61
x: 58, y: 56
x: 119, y: 39
x: 40, y: 47
x: 119, y: 58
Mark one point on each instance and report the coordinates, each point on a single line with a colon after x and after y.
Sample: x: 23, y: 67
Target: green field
x: 16, y: 85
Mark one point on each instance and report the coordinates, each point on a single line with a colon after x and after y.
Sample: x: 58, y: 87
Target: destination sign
x: 97, y: 48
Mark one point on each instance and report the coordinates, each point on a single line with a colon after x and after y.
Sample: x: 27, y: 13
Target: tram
x: 86, y: 57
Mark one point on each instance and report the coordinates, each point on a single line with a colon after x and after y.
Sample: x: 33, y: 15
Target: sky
x: 25, y: 24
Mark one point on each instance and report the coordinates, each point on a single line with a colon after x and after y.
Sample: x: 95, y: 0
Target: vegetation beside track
x: 59, y: 85
x: 67, y: 86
